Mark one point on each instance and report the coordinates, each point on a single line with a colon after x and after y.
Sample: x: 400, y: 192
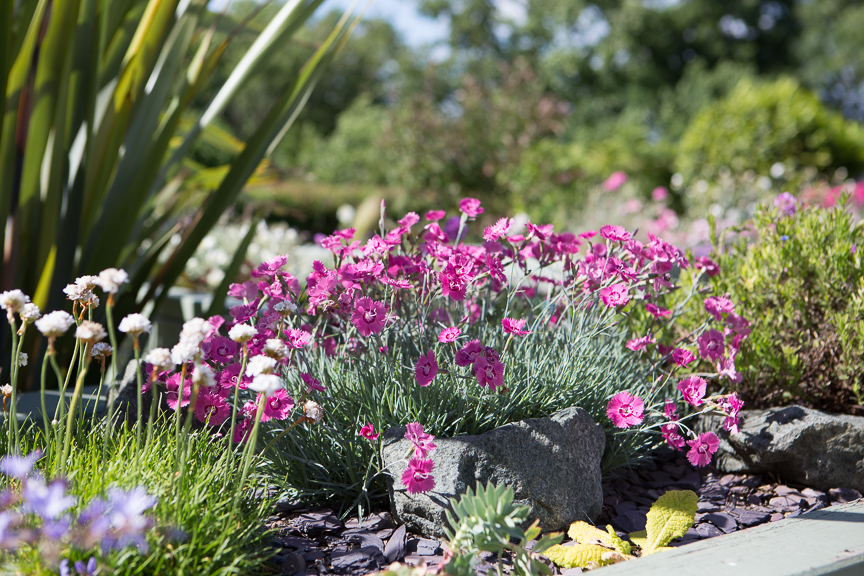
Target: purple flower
x: 125, y: 512
x: 786, y: 203
x: 19, y: 466
x: 48, y: 501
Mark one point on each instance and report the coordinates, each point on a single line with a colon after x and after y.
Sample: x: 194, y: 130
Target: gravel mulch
x: 313, y: 541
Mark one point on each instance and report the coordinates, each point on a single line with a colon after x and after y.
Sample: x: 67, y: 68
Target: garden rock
x: 799, y: 444
x: 552, y: 464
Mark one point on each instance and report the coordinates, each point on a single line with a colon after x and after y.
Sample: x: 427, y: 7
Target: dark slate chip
x: 843, y: 495
x: 371, y: 523
x: 423, y: 547
x: 819, y: 505
x: 385, y: 533
x: 293, y: 565
x: 776, y: 516
x: 690, y: 536
x: 721, y: 520
x: 395, y: 548
x: 784, y: 503
x: 356, y: 560
x: 708, y: 531
x: 364, y: 539
x: 631, y: 521
x: 730, y: 479
x: 754, y: 499
x: 315, y: 523
x: 783, y: 490
x: 749, y: 518
x: 715, y: 493
x: 752, y: 481
x: 313, y: 555
x: 297, y: 542
x: 704, y: 506
x: 690, y: 481
x: 811, y: 493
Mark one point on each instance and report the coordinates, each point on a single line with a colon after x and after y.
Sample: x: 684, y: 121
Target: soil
x: 312, y: 541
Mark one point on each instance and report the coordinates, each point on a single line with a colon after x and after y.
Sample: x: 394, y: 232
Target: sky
x: 416, y: 30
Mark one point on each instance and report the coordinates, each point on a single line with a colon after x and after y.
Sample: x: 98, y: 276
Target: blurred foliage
x: 761, y: 123
x: 800, y: 280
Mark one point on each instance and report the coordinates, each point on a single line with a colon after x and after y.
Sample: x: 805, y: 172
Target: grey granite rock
x: 799, y: 444
x: 552, y: 464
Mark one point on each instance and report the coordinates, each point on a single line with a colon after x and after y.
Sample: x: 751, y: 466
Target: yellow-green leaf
x: 585, y: 533
x: 619, y: 544
x: 670, y: 517
x: 578, y: 555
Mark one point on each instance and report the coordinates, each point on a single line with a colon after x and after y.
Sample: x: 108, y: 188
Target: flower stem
x: 154, y: 401
x: 236, y: 395
x: 79, y: 384
x: 45, y: 421
x: 12, y: 432
x: 249, y: 451
x: 138, y: 422
x: 109, y: 307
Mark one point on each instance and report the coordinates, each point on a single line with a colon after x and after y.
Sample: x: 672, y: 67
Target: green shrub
x: 760, y: 124
x: 801, y: 283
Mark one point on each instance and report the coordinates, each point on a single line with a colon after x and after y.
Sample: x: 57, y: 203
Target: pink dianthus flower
x: 641, y: 343
x: 711, y: 345
x: 435, y: 215
x: 692, y: 389
x: 671, y: 435
x: 492, y: 233
x: 422, y: 440
x: 657, y: 312
x: 368, y: 316
x: 615, y: 233
x: 702, y: 448
x: 682, y: 357
x: 718, y: 305
x: 278, y: 406
x: 468, y: 354
x: 173, y: 385
x: 709, y: 266
x: 625, y: 410
x: 426, y: 369
x: 449, y: 334
x: 212, y: 406
x: 418, y: 478
x: 615, y: 181
x: 615, y: 295
x: 368, y: 432
x: 489, y: 372
x: 513, y: 326
x: 312, y: 382
x: 471, y: 207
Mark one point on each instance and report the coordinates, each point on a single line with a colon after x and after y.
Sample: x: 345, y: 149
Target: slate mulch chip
x: 313, y: 541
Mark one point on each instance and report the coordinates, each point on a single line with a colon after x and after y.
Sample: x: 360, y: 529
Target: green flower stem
x: 60, y: 410
x: 138, y: 396
x: 111, y: 336
x: 45, y: 421
x: 79, y: 384
x: 249, y: 451
x: 179, y: 405
x: 98, y: 395
x: 12, y: 424
x: 236, y: 395
x: 154, y: 401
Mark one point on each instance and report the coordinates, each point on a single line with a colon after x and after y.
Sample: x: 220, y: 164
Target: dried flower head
x: 242, y: 333
x: 285, y: 307
x: 6, y: 390
x: 91, y: 332
x: 313, y: 411
x: 22, y: 359
x: 101, y: 350
x: 110, y: 280
x: 135, y: 324
x: 55, y: 323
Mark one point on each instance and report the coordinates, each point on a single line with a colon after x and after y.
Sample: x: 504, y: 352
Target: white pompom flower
x: 135, y: 324
x: 267, y: 384
x: 313, y: 411
x: 203, y: 376
x: 30, y: 313
x: 13, y: 301
x: 90, y: 332
x: 160, y: 358
x: 275, y: 348
x: 111, y: 279
x: 241, y: 333
x: 55, y: 323
x: 260, y: 365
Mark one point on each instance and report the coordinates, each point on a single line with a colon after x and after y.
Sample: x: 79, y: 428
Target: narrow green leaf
x: 231, y: 271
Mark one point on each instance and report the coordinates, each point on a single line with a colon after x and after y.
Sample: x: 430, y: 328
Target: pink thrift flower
x: 709, y: 266
x: 615, y: 295
x: 213, y: 406
x: 682, y: 357
x: 368, y: 432
x: 702, y: 448
x: 692, y: 389
x: 435, y: 215
x: 672, y: 437
x: 470, y: 207
x: 468, y: 354
x: 449, y: 334
x: 615, y: 181
x: 711, y: 346
x: 657, y: 312
x: 489, y: 372
x: 718, y: 305
x: 278, y: 406
x: 368, y: 316
x: 625, y: 410
x: 492, y: 233
x: 426, y: 369
x: 615, y: 233
x: 512, y: 326
x: 422, y: 440
x: 641, y: 343
x: 418, y: 478
x: 312, y: 382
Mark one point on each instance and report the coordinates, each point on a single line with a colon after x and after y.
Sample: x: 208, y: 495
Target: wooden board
x: 828, y: 541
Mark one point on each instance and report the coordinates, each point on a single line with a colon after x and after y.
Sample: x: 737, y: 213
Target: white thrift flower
x: 285, y: 307
x: 195, y: 331
x: 6, y: 390
x: 160, y: 358
x: 111, y: 279
x: 275, y: 348
x: 313, y: 411
x: 135, y: 324
x: 30, y: 313
x: 87, y: 282
x: 101, y: 350
x: 55, y: 323
x: 203, y: 376
x: 184, y: 352
x: 260, y: 365
x: 22, y: 359
x: 90, y: 332
x: 266, y: 384
x: 242, y: 333
x: 13, y: 301
x: 77, y: 292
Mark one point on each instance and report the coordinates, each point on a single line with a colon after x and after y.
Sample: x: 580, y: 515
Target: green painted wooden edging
x: 828, y: 541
